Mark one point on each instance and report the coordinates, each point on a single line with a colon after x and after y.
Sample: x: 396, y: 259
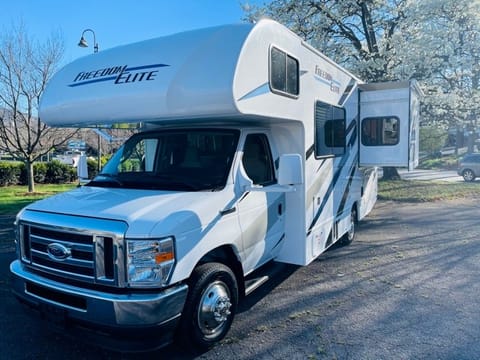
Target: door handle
x: 228, y: 211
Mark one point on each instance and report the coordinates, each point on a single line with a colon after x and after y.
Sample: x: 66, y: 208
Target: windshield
x: 182, y: 160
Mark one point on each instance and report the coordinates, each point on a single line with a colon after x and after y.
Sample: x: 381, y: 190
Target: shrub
x: 92, y: 168
x: 72, y: 174
x: 9, y: 173
x: 54, y: 172
x: 446, y: 162
x: 39, y: 173
x: 58, y: 173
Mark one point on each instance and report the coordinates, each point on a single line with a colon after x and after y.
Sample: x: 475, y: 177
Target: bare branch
x: 25, y: 68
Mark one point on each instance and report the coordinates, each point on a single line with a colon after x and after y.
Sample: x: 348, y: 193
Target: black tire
x: 349, y: 236
x: 210, y: 306
x: 468, y: 175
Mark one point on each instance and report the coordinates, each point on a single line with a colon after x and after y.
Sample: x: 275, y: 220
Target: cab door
x: 389, y: 124
x: 261, y: 213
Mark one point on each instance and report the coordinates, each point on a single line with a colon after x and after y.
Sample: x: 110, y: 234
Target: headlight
x: 150, y: 262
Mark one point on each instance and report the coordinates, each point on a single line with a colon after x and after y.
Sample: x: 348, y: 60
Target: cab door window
x: 257, y: 160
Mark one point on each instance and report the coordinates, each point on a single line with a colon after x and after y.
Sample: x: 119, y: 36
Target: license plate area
x: 70, y: 301
x: 54, y: 315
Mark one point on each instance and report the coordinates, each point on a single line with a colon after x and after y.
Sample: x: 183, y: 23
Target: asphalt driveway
x: 406, y: 288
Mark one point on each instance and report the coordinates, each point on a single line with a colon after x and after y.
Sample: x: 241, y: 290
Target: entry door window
x: 380, y: 131
x: 257, y: 159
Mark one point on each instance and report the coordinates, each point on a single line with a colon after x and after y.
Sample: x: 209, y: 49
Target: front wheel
x: 349, y: 236
x: 468, y: 175
x: 210, y: 306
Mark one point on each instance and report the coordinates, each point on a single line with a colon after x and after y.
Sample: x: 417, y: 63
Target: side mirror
x: 290, y: 170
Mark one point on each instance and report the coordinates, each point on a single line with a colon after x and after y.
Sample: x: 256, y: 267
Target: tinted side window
x: 329, y: 130
x: 257, y: 159
x: 278, y: 70
x: 380, y: 131
x: 284, y: 72
x: 292, y: 75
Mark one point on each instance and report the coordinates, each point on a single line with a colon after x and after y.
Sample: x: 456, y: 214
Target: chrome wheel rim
x: 214, y: 309
x: 351, y: 232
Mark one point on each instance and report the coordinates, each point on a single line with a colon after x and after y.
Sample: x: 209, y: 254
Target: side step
x: 270, y: 271
x: 253, y: 284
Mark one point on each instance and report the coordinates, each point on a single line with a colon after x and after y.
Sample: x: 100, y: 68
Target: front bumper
x: 106, y: 312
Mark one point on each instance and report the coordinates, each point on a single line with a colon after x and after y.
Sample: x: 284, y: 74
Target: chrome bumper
x: 117, y: 311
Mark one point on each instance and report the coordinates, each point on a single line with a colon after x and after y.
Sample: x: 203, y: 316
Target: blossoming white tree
x: 433, y: 41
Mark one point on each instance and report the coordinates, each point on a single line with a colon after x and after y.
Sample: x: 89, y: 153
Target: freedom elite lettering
x: 126, y: 77
x: 118, y: 74
x: 328, y: 79
x: 82, y: 76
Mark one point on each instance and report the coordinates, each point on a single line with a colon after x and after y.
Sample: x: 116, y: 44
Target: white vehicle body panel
x: 215, y: 79
x: 176, y: 80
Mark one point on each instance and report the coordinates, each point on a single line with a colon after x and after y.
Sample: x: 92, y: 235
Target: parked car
x: 469, y: 167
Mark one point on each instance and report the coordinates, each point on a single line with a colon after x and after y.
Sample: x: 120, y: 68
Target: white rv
x: 254, y: 148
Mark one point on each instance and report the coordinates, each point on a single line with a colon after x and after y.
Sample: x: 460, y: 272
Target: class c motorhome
x: 254, y: 147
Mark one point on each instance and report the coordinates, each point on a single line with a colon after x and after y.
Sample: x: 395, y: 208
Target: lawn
x: 421, y: 191
x: 14, y: 198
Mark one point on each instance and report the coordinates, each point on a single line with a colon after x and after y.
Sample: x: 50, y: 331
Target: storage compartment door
x: 389, y: 120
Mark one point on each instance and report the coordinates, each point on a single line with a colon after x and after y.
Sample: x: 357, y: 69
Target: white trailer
x: 252, y: 150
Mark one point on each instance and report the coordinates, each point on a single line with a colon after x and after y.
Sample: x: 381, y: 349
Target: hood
x: 142, y: 210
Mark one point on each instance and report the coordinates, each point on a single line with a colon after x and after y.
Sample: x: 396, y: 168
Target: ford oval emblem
x: 58, y: 251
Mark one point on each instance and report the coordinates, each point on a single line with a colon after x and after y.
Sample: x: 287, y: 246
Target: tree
x: 443, y: 53
x: 433, y: 41
x: 25, y: 68
x: 432, y: 139
x: 358, y: 34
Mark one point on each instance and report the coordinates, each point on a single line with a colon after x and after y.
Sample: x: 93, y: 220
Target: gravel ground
x: 404, y: 289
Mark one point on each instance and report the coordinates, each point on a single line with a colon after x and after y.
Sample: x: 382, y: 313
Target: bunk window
x: 380, y: 131
x: 329, y: 130
x: 284, y: 73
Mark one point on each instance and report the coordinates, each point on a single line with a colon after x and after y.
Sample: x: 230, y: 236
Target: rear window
x: 472, y: 158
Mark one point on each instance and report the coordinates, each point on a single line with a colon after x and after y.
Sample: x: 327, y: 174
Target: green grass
x: 14, y: 198
x: 445, y: 162
x: 423, y: 191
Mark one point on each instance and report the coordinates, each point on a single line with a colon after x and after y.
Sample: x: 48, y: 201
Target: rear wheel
x: 468, y: 175
x: 210, y: 306
x: 349, y: 236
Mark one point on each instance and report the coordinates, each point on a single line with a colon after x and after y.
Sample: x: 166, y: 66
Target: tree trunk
x: 390, y: 173
x: 30, y: 179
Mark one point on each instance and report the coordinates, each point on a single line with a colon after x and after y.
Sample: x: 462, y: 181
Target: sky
x: 115, y: 22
